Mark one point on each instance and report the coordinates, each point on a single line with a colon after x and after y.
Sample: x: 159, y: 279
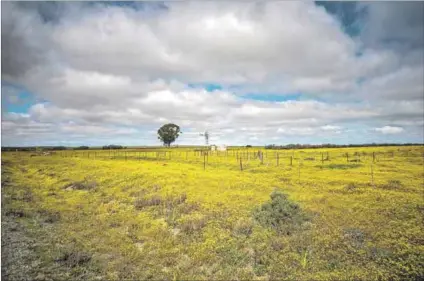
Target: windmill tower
x: 206, y: 135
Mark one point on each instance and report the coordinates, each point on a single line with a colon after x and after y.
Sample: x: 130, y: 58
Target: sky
x: 250, y: 73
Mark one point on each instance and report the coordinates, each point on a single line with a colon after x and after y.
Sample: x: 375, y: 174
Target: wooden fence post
x: 241, y: 165
x: 278, y: 159
x: 299, y: 170
x: 291, y: 160
x: 204, y: 161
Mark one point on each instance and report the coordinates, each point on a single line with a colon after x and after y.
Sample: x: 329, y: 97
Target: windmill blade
x: 206, y: 135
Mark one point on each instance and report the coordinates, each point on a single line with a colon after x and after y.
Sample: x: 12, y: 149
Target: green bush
x: 280, y: 214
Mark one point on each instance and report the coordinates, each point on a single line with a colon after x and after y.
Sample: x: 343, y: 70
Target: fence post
x: 291, y: 160
x: 204, y: 161
x: 322, y: 158
x: 299, y: 170
x: 278, y: 159
x: 373, y: 157
x: 241, y: 164
x: 347, y: 156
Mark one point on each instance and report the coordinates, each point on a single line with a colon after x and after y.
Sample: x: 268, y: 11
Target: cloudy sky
x: 95, y: 73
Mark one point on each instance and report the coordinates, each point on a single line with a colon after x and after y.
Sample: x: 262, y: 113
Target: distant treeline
x: 329, y: 145
x: 33, y: 148
x: 112, y: 146
x: 50, y: 148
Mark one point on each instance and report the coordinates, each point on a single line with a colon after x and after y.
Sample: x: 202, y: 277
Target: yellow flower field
x: 180, y: 215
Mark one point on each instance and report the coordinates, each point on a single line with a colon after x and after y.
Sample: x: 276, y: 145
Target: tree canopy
x: 168, y: 133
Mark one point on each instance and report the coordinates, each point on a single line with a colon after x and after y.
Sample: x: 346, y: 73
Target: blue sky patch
x: 208, y: 87
x: 16, y: 99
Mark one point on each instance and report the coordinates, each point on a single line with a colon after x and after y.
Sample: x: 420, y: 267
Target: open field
x: 349, y: 214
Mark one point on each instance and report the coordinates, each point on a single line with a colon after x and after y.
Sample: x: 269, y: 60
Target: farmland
x: 347, y: 214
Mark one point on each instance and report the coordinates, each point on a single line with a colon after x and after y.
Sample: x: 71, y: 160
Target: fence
x: 297, y: 163
x: 245, y: 160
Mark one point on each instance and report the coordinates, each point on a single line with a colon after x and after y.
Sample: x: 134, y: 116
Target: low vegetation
x: 134, y: 218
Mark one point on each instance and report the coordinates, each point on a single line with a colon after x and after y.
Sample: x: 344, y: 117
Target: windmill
x: 206, y: 135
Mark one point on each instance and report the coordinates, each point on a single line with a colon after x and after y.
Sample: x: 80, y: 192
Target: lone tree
x: 168, y: 133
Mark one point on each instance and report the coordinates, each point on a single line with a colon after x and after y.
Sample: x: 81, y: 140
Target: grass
x: 101, y: 218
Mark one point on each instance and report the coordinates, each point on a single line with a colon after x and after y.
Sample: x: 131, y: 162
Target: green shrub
x: 280, y: 214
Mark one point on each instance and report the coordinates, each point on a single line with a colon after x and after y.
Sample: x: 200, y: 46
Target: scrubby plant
x: 193, y: 223
x: 350, y: 186
x: 393, y: 184
x: 344, y: 166
x: 280, y: 214
x: 86, y: 184
x: 355, y: 237
x: 141, y: 203
x: 243, y: 227
x: 73, y: 258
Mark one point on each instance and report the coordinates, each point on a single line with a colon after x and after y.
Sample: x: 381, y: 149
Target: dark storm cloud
x: 20, y: 36
x: 399, y: 25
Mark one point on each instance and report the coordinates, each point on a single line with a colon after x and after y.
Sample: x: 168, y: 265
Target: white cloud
x: 330, y: 128
x: 389, y: 130
x: 108, y: 70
